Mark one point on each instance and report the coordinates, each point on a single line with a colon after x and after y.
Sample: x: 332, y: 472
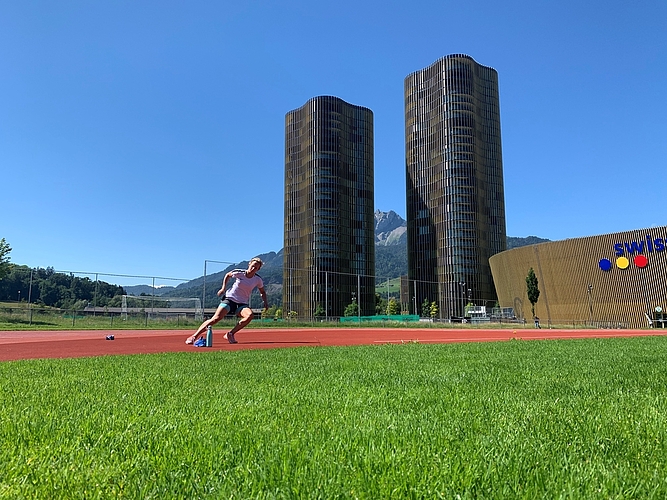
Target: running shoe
x: 191, y: 339
x: 201, y: 342
x: 229, y: 337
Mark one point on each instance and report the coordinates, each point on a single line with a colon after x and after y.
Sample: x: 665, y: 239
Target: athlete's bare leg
x: 220, y: 313
x: 246, y: 316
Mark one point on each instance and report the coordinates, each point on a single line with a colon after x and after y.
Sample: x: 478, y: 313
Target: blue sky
x: 143, y: 138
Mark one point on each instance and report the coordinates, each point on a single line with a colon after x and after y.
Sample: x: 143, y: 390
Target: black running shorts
x: 231, y: 306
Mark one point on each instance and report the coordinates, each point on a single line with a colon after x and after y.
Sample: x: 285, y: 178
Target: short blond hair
x: 256, y: 259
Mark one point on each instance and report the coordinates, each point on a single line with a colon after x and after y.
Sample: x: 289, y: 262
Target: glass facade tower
x: 329, y: 251
x: 454, y: 175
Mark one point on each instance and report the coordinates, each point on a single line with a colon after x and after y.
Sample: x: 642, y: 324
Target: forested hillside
x: 514, y: 242
x: 391, y: 261
x: 57, y: 289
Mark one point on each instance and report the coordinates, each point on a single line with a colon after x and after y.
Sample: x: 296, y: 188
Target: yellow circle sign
x: 622, y: 263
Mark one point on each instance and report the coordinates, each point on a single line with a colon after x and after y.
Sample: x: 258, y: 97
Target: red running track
x: 17, y: 345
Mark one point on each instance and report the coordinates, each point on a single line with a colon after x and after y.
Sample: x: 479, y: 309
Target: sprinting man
x: 235, y: 301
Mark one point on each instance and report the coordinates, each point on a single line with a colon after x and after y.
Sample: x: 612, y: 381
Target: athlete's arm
x: 224, y: 284
x: 263, y: 294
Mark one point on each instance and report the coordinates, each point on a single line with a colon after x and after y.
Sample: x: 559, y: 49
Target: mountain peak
x: 390, y: 228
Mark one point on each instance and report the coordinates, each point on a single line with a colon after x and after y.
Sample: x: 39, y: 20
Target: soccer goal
x: 162, y: 306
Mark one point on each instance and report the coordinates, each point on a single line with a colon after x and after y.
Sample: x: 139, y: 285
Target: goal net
x: 162, y: 305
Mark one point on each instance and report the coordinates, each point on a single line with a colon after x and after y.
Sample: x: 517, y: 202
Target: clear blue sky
x: 145, y: 137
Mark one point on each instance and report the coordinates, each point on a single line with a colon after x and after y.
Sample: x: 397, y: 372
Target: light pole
x: 203, y: 293
x: 19, y: 299
x: 659, y: 316
x: 463, y: 299
x: 414, y: 296
x: 590, y: 304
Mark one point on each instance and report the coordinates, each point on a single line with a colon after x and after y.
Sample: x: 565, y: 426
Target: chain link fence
x: 61, y: 298
x: 74, y: 298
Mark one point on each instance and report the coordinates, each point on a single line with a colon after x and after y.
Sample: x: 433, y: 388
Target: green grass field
x: 393, y: 286
x: 520, y: 419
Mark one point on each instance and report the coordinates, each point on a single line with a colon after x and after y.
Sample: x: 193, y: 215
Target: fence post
x: 359, y: 297
x: 95, y: 298
x: 203, y: 293
x: 414, y: 284
x: 30, y: 299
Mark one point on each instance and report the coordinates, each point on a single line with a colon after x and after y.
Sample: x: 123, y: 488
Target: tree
x: 393, y: 307
x: 532, y: 289
x: 380, y: 304
x: 4, y: 258
x: 319, y: 311
x: 49, y: 293
x: 433, y: 310
x: 351, y: 309
x: 426, y: 308
x: 270, y: 313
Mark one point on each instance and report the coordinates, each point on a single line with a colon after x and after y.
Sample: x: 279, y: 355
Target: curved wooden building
x: 612, y: 280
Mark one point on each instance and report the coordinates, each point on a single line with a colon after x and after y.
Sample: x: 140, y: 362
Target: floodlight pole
x: 95, y: 299
x: 463, y: 298
x: 203, y: 298
x: 30, y: 299
x: 206, y: 261
x: 414, y: 289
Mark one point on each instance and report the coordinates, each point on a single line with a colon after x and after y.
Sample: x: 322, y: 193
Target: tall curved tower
x: 454, y: 176
x: 329, y: 252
